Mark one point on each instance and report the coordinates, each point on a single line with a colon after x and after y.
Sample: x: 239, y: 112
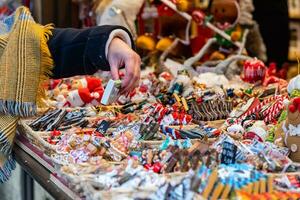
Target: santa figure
x: 79, y: 97
x: 89, y: 82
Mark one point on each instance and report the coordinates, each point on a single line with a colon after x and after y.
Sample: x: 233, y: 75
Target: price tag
x: 228, y: 155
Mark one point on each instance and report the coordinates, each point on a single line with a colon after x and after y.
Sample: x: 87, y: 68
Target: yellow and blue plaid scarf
x: 25, y: 62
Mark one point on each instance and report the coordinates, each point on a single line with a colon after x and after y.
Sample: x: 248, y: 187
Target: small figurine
x: 182, y: 84
x: 79, y: 97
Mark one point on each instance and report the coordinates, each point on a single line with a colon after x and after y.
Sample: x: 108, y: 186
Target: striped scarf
x: 25, y: 62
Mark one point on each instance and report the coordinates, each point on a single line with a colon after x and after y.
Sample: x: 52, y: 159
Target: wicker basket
x: 36, y: 137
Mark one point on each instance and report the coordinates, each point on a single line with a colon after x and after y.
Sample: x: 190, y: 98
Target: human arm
x: 85, y: 51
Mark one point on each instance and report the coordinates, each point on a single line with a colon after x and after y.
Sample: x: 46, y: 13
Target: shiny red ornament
x: 254, y: 70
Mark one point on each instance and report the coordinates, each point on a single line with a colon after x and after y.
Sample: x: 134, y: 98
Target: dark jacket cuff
x: 81, y: 51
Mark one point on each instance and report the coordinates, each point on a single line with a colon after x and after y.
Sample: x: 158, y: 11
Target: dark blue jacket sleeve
x: 80, y: 51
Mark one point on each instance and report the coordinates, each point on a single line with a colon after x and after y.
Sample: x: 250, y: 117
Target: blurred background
x: 279, y: 22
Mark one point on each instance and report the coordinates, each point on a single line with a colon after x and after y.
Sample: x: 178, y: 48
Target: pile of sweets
x: 222, y: 182
x: 173, y: 137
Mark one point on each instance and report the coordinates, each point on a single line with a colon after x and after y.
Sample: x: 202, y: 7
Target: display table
x: 40, y: 169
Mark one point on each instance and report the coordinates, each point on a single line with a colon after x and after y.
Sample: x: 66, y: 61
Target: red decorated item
x: 143, y: 88
x: 254, y: 70
x: 256, y: 133
x: 270, y: 80
x: 274, y: 76
x: 55, y: 133
x: 131, y: 94
x: 54, y: 83
x: 272, y: 70
x: 147, y: 166
x: 80, y: 97
x: 156, y: 167
x: 295, y: 105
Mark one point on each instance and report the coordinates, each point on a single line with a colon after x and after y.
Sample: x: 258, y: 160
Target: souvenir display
x: 208, y: 120
x: 202, y: 132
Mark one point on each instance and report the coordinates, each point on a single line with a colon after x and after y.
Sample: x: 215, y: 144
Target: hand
x: 120, y: 54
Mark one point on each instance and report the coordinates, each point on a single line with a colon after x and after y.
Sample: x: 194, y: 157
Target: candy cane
x: 274, y: 112
x: 259, y: 107
x: 253, y: 110
x: 271, y: 108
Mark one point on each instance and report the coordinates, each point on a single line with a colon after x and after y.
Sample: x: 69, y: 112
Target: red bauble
x: 254, y: 70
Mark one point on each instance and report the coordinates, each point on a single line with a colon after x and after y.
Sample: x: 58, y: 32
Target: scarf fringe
x: 5, y: 171
x: 5, y: 146
x: 23, y: 109
x: 47, y: 63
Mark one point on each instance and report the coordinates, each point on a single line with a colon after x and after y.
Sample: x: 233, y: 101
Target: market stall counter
x: 219, y: 139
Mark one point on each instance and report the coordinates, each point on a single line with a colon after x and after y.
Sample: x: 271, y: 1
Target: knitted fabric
x: 25, y: 62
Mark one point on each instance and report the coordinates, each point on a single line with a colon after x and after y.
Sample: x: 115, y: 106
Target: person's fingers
x: 129, y: 74
x: 134, y: 67
x: 114, y: 70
